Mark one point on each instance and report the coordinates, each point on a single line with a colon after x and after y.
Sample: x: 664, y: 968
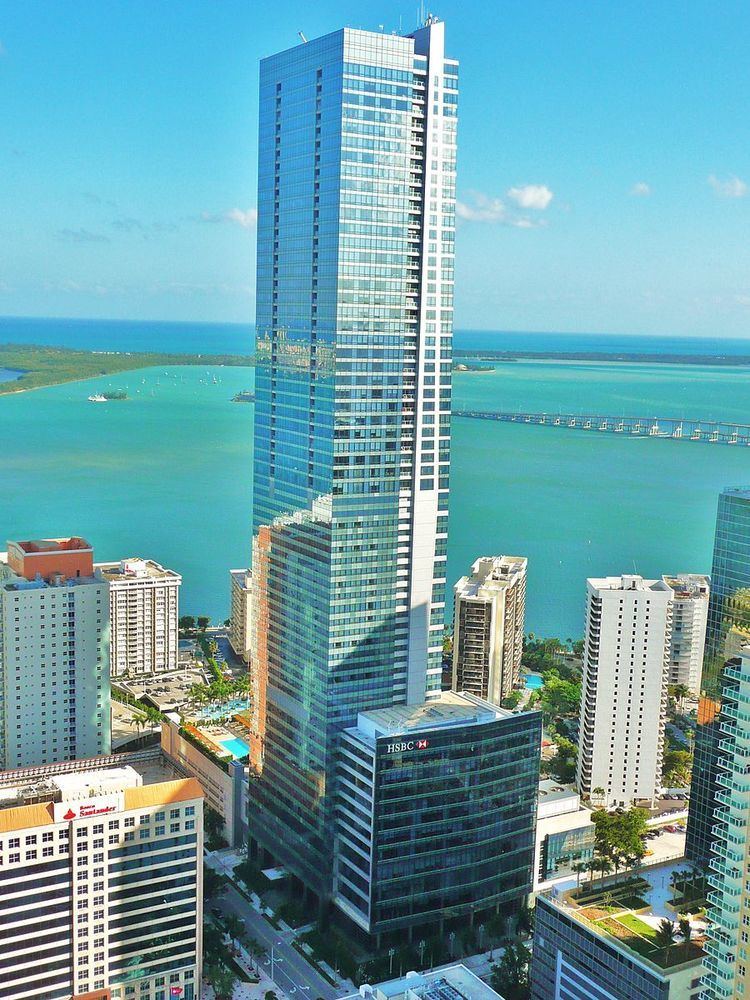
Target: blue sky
x: 604, y: 158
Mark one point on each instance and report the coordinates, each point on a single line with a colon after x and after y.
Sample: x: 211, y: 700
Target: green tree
x: 187, y: 623
x: 203, y: 622
x: 223, y: 981
x: 619, y: 836
x: 559, y: 698
x: 511, y: 700
x: 235, y: 927
x: 579, y: 867
x: 213, y: 826
x: 510, y: 976
x: 665, y: 937
x: 685, y: 929
x: 212, y: 882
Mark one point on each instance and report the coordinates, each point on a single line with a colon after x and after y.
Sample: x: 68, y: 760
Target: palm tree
x: 665, y: 937
x: 685, y: 929
x: 235, y: 927
x: 579, y: 867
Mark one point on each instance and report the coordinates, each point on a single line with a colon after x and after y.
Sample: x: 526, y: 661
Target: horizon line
x: 457, y: 329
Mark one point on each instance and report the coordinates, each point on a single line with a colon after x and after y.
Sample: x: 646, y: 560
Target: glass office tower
x: 728, y: 630
x: 356, y: 221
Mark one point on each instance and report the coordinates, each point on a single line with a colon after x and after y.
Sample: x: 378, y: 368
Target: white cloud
x: 483, y: 208
x: 247, y: 218
x: 732, y: 187
x: 641, y: 189
x: 537, y: 196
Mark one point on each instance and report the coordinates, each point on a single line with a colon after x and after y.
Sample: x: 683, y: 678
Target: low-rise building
x: 564, y: 833
x: 54, y: 653
x: 240, y: 636
x: 435, y: 814
x: 604, y: 952
x: 488, y: 619
x: 144, y: 615
x: 455, y: 982
x: 101, y: 885
x: 223, y: 778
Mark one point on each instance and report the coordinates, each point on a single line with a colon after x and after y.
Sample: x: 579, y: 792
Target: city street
x: 292, y: 973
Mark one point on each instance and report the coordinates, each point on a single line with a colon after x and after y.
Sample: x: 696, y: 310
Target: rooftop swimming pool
x: 236, y: 747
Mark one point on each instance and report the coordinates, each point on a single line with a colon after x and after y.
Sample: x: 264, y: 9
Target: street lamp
x: 391, y: 953
x: 274, y: 960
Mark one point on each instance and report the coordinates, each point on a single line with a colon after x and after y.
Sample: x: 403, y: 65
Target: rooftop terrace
x: 630, y: 911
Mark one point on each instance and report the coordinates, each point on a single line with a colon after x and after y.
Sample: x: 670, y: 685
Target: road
x: 291, y: 972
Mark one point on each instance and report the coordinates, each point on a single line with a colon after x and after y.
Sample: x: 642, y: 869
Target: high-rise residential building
x: 581, y: 953
x: 54, y: 653
x: 727, y: 964
x: 240, y: 614
x: 727, y: 632
x: 101, y: 888
x: 488, y: 620
x: 624, y: 689
x: 356, y: 225
x: 689, y: 620
x: 144, y: 614
x: 412, y: 851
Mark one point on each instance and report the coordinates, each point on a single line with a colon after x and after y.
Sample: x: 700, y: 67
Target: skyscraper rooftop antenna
x: 302, y: 37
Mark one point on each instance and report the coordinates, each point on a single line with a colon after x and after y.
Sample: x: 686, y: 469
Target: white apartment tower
x: 54, y: 663
x: 624, y: 690
x: 488, y: 623
x: 689, y: 621
x: 101, y: 888
x: 144, y: 614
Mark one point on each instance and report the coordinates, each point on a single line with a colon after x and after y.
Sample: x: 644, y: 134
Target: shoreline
x: 610, y: 357
x: 42, y: 367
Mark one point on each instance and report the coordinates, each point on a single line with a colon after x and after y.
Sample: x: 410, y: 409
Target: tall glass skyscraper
x: 356, y: 223
x: 728, y: 630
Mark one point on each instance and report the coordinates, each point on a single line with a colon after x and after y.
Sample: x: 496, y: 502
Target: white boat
x: 97, y: 398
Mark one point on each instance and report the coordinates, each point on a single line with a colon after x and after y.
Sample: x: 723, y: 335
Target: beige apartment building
x: 689, y: 621
x: 54, y: 644
x: 488, y: 621
x: 241, y: 581
x: 144, y: 615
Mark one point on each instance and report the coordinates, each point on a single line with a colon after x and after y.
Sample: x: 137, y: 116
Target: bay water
x: 167, y: 473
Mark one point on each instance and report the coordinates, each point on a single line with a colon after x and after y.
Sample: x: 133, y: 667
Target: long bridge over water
x: 675, y: 428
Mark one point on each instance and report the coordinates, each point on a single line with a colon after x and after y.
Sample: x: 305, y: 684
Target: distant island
x: 43, y: 366
x: 727, y: 360
x: 244, y: 397
x: 460, y: 367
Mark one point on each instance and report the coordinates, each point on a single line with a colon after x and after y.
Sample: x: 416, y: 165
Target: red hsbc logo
x: 407, y: 745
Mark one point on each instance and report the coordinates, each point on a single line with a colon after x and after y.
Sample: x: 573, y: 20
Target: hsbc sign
x: 407, y: 745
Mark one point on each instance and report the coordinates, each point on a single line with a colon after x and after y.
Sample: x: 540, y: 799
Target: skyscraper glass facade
x: 728, y: 630
x: 356, y: 219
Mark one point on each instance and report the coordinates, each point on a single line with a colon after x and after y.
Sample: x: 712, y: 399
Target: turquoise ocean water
x: 167, y: 473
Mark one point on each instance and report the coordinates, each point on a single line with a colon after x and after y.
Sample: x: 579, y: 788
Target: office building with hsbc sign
x: 436, y: 809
